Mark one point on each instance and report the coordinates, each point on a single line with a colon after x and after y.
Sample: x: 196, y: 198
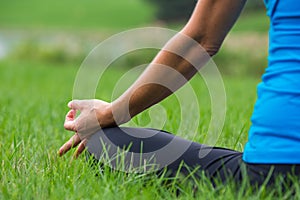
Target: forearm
x: 181, y: 58
x: 166, y: 73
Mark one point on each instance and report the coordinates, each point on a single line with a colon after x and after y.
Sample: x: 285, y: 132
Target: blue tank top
x: 274, y: 136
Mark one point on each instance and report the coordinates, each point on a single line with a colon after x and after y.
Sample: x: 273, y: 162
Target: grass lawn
x: 74, y: 14
x: 33, y: 104
x: 98, y: 15
x: 252, y: 22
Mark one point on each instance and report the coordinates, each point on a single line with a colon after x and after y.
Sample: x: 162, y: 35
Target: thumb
x: 70, y: 125
x: 70, y: 122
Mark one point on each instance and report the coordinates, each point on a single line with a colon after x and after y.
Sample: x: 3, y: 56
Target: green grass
x: 252, y: 21
x: 33, y: 99
x: 98, y: 15
x: 72, y: 14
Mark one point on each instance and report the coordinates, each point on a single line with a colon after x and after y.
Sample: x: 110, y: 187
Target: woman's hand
x: 94, y: 115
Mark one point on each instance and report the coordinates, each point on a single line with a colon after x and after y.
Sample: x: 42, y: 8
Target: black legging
x: 152, y: 149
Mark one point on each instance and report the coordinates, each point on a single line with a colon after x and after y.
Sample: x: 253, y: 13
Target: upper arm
x: 211, y: 21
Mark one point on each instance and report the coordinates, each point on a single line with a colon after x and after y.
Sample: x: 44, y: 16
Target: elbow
x: 211, y: 49
x: 210, y: 45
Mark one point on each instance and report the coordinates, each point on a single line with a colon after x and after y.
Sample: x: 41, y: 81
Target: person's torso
x: 274, y: 136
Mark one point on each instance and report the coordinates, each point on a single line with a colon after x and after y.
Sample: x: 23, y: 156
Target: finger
x: 70, y: 121
x: 71, y: 115
x: 80, y: 148
x: 72, y: 142
x: 70, y: 126
x: 76, y: 104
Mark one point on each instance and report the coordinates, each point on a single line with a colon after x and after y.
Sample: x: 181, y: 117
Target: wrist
x: 120, y: 111
x: 105, y: 117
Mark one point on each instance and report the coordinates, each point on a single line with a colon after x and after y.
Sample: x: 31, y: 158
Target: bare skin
x: 208, y: 26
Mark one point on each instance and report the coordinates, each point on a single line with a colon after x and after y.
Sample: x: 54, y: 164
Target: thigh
x: 142, y: 148
x: 159, y: 150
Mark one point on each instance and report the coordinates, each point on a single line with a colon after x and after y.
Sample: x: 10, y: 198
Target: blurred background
x: 61, y: 33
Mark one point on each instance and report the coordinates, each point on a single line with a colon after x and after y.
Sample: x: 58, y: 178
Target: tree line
x: 180, y: 10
